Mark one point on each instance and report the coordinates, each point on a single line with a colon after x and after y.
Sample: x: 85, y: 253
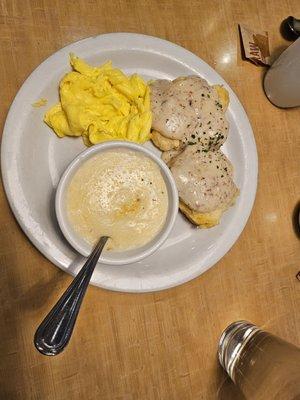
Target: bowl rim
x: 75, y: 164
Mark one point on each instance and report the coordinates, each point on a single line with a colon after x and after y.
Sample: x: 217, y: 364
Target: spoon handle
x: 55, y: 331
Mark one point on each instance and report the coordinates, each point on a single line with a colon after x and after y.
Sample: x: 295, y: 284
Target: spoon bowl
x: 55, y: 331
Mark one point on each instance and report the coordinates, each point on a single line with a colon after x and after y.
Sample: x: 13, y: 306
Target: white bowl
x: 125, y: 257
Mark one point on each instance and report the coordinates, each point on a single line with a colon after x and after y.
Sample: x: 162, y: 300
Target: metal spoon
x: 55, y: 331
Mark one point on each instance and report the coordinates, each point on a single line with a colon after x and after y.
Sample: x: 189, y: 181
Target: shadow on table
x: 295, y: 220
x: 48, y: 291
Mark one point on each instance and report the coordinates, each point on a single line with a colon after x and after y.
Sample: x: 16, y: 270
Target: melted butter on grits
x: 119, y: 194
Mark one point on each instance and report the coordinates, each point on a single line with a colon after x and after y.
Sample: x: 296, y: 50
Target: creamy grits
x: 121, y: 194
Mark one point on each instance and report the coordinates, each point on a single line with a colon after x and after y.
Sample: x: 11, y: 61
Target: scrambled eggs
x: 100, y: 104
x: 40, y: 103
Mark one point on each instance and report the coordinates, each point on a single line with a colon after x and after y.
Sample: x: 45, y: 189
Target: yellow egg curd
x: 101, y: 104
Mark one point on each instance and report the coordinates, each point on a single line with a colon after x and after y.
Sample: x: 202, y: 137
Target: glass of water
x: 262, y: 366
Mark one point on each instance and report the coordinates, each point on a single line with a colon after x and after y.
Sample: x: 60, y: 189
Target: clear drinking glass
x: 263, y: 366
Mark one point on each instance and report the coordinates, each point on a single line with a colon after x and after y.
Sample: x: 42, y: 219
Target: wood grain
x: 161, y: 345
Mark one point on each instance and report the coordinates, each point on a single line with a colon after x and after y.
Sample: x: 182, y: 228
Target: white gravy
x: 188, y: 109
x: 204, y: 179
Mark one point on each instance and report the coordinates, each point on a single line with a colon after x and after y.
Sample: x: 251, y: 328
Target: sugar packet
x: 255, y: 45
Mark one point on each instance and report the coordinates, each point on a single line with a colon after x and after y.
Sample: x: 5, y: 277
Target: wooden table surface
x: 161, y: 345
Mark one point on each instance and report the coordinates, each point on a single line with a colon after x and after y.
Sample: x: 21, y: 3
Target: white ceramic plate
x: 33, y: 159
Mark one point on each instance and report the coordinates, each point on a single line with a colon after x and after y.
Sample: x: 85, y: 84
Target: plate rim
x: 252, y: 175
